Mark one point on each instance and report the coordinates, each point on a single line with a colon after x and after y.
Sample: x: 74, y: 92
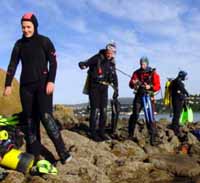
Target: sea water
x: 166, y: 116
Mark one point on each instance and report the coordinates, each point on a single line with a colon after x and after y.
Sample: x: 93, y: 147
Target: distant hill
x: 9, y: 105
x: 123, y: 101
x: 126, y: 100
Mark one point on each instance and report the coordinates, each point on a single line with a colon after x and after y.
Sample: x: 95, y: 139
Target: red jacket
x: 149, y: 76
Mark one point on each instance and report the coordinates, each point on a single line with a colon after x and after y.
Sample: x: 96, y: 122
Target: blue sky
x: 166, y: 31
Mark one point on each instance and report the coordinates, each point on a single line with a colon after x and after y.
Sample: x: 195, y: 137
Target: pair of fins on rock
x: 186, y: 115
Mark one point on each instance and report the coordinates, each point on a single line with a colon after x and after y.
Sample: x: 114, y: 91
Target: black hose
x: 124, y: 73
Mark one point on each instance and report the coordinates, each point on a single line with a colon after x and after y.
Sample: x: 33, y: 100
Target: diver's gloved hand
x: 115, y: 94
x: 82, y: 65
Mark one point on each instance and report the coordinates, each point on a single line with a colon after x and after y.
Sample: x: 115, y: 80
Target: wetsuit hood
x: 32, y: 18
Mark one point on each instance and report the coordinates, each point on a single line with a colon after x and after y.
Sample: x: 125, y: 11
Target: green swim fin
x: 13, y: 120
x: 190, y: 115
x: 45, y: 167
x: 186, y: 116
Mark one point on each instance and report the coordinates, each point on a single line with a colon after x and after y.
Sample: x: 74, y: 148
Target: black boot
x: 131, y: 126
x: 154, y: 141
x: 93, y: 119
x: 102, y: 124
x: 65, y: 157
x: 104, y: 136
x: 95, y: 136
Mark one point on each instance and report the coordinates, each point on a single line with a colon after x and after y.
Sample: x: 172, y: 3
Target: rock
x: 160, y: 176
x: 14, y: 177
x: 151, y: 149
x: 90, y: 159
x: 129, y: 150
x: 192, y: 139
x: 170, y: 146
x: 39, y: 179
x: 120, y: 160
x: 65, y: 116
x: 196, y: 179
x: 141, y: 133
x: 11, y: 104
x: 130, y: 172
x: 195, y: 150
x: 174, y: 142
x: 181, y: 165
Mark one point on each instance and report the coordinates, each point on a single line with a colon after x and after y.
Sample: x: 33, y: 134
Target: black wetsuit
x: 101, y: 71
x: 178, y: 96
x: 38, y: 59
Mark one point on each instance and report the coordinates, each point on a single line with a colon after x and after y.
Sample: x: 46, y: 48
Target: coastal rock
x: 65, y: 116
x: 195, y: 150
x: 192, y: 139
x: 14, y: 177
x: 12, y: 103
x: 129, y: 150
x: 178, y: 164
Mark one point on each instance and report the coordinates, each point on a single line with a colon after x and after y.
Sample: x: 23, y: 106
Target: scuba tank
x: 167, y: 96
x: 17, y: 160
x: 13, y: 158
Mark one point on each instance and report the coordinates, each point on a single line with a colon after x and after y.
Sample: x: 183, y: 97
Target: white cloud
x: 142, y: 11
x: 78, y: 24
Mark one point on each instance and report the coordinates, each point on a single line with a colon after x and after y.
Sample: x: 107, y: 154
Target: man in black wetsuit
x: 178, y: 93
x: 39, y: 65
x: 101, y: 73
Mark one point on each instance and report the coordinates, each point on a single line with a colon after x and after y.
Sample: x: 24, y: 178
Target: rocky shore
x: 120, y: 160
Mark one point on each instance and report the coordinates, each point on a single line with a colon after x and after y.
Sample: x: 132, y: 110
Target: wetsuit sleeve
x: 91, y: 61
x: 14, y: 61
x: 51, y: 56
x: 133, y: 78
x: 155, y: 82
x: 182, y: 89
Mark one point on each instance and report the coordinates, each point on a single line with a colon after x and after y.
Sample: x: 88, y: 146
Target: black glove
x: 115, y: 94
x: 82, y: 65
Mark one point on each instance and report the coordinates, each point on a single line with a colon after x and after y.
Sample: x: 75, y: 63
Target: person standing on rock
x: 38, y: 58
x: 178, y: 94
x: 144, y: 80
x: 101, y: 73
